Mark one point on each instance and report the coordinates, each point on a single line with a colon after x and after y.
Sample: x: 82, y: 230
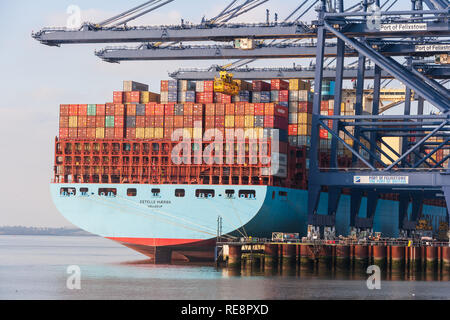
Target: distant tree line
x: 44, y: 231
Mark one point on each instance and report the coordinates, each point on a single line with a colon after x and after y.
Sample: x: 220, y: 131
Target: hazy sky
x: 37, y: 78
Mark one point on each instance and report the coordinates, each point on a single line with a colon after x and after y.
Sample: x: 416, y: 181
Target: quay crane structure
x: 382, y: 37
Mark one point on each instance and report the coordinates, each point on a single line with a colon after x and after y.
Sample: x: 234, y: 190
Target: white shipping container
x: 293, y: 118
x: 293, y: 96
x: 305, y: 95
x: 164, y: 96
x: 199, y: 86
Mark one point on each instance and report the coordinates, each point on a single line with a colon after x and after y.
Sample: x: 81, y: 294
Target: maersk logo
x: 380, y: 180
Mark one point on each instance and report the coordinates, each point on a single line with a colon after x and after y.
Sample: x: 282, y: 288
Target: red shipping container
x: 305, y: 107
x: 278, y: 84
x: 293, y: 129
x: 209, y: 121
x: 188, y: 121
x: 283, y: 147
x: 239, y: 121
x: 131, y: 133
x: 208, y: 87
x: 130, y: 109
x: 119, y: 121
x: 100, y: 109
x: 197, y: 109
x: 82, y: 121
x: 168, y: 121
x: 150, y: 109
x: 140, y: 121
x: 90, y: 133
x: 118, y: 133
x: 64, y: 122
x: 119, y: 110
x: 159, y: 109
x: 275, y: 122
x: 149, y: 121
x: 63, y: 133
x: 324, y: 105
x: 258, y: 85
x: 135, y: 96
x: 199, y: 97
x: 330, y: 112
x: 197, y: 119
x: 127, y: 97
x: 168, y: 133
x: 64, y: 110
x: 249, y: 109
x: 188, y: 109
x: 164, y: 85
x: 229, y: 109
x: 82, y: 133
x: 109, y: 109
x: 221, y: 98
x: 323, y: 134
x: 159, y: 121
x: 272, y: 109
x: 210, y: 109
x: 118, y: 97
x: 100, y: 121
x: 220, y: 109
x: 73, y: 110
x: 259, y: 109
x: 82, y: 110
x: 220, y: 121
x: 283, y: 95
x: 73, y: 133
x: 178, y: 121
x: 169, y: 109
x: 239, y: 109
x: 90, y: 122
x: 208, y: 97
x: 109, y: 133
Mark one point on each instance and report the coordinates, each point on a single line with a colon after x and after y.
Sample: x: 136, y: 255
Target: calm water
x: 35, y: 267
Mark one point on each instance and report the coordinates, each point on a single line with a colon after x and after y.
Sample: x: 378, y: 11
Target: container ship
x: 164, y: 173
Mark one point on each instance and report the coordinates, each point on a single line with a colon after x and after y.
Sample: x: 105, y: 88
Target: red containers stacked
x: 258, y: 86
x: 205, y: 92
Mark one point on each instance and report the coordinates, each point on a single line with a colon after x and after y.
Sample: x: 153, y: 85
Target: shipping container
x: 278, y: 84
x: 100, y: 110
x: 64, y: 110
x: 99, y: 133
x: 134, y: 86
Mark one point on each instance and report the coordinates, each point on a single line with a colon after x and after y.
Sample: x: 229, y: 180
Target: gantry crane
x: 342, y: 33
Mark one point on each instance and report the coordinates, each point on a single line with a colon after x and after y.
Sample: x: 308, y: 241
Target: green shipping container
x: 91, y: 110
x: 109, y: 121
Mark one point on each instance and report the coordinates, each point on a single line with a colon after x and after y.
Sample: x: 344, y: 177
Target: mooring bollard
x: 361, y: 256
x: 397, y: 258
x: 234, y: 256
x: 343, y: 257
x: 288, y: 251
x: 380, y: 256
x: 431, y: 261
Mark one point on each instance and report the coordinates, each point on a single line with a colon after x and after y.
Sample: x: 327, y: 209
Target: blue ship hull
x: 187, y: 225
